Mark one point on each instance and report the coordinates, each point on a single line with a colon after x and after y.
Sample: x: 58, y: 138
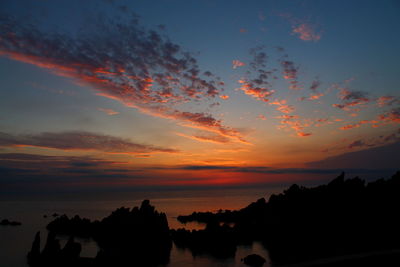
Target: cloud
x: 224, y: 97
x: 358, y: 124
x: 282, y: 106
x: 140, y: 68
x: 315, y: 96
x: 351, y: 99
x: 303, y: 134
x: 261, y: 117
x: 236, y: 63
x: 349, y: 126
x: 256, y: 83
x: 219, y: 139
x: 258, y: 92
x: 85, y: 141
x: 108, y: 111
x: 387, y: 101
x: 293, y: 122
x: 290, y: 72
x: 270, y: 170
x: 392, y: 116
x: 315, y: 85
x: 382, y: 157
x: 357, y: 143
x: 306, y: 32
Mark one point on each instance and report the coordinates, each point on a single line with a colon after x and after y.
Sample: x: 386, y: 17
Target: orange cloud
x: 315, y: 96
x: 219, y: 139
x: 356, y: 125
x: 224, y: 97
x: 282, y: 106
x: 302, y: 134
x: 260, y: 93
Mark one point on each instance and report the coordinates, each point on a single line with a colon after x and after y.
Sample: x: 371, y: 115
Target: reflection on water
x: 15, y: 242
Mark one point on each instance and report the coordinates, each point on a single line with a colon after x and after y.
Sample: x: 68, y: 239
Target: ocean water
x: 16, y: 241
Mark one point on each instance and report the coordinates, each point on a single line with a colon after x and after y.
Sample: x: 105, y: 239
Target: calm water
x: 15, y: 242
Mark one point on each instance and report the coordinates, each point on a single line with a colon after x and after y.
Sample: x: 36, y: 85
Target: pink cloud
x: 261, y: 117
x: 306, y: 32
x: 387, y: 101
x: 392, y: 116
x: 108, y: 111
x: 236, y: 63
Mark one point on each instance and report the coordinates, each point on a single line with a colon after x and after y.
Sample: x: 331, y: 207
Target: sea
x: 36, y: 212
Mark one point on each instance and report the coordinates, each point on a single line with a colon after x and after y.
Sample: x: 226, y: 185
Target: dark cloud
x: 357, y: 143
x: 80, y: 141
x: 256, y: 83
x: 290, y: 72
x: 270, y: 170
x: 351, y: 99
x: 315, y: 85
x: 381, y: 157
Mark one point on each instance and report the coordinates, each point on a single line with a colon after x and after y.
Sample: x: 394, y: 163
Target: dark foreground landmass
x: 343, y: 223
x: 128, y: 237
x: 6, y: 222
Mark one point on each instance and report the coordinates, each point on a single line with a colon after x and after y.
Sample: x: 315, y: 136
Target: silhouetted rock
x: 136, y: 237
x: 8, y: 222
x: 140, y: 236
x: 71, y: 250
x: 34, y: 254
x: 75, y: 226
x: 254, y: 260
x: 216, y: 240
x: 343, y: 217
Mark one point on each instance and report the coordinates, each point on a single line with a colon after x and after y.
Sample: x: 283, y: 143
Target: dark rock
x: 71, y: 250
x: 10, y: 223
x: 34, y: 254
x: 127, y: 237
x: 254, y: 260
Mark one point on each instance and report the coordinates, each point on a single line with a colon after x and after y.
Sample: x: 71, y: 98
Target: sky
x: 131, y: 94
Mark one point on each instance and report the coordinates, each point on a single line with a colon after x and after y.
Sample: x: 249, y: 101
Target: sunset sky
x: 196, y: 93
